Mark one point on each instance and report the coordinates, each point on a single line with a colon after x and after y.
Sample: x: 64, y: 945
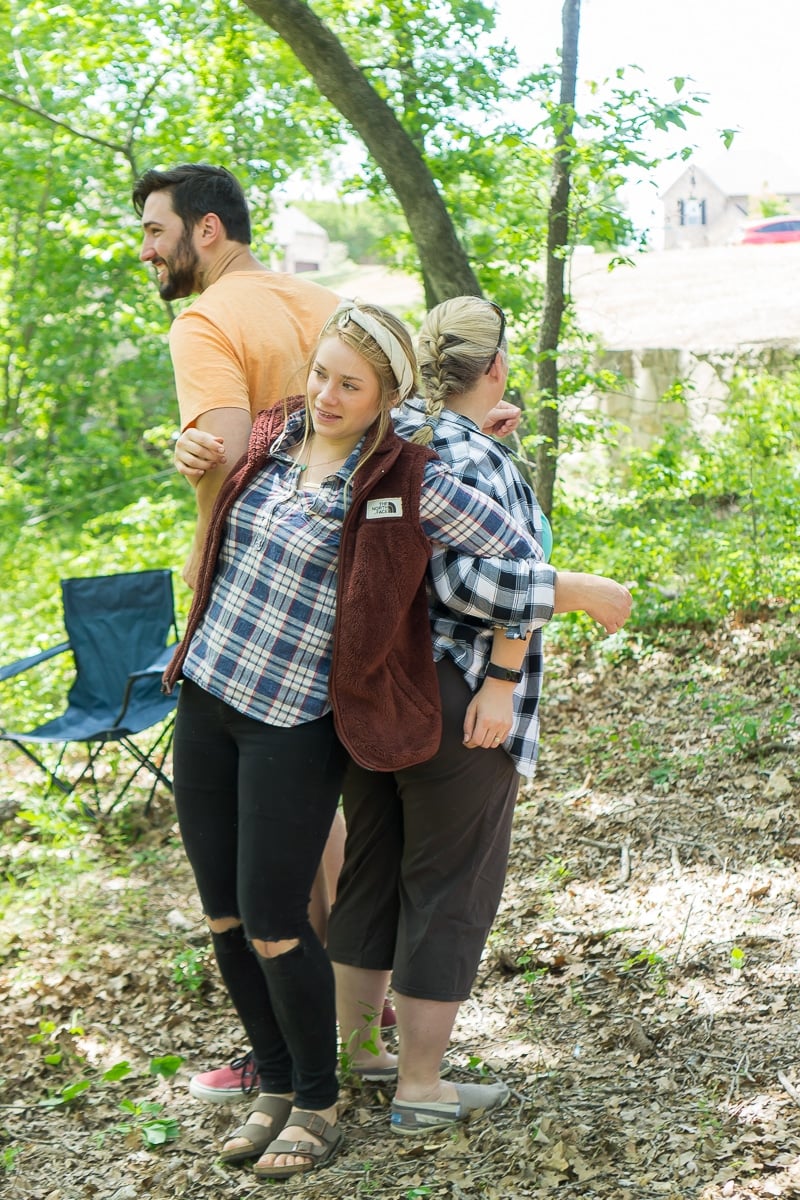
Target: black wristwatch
x: 504, y: 673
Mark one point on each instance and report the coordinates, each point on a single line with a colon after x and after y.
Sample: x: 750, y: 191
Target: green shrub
x: 701, y: 525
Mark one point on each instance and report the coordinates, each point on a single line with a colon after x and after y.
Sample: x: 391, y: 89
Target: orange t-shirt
x: 245, y: 341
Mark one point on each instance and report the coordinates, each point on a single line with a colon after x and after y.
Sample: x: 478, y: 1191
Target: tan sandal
x: 330, y: 1135
x: 258, y: 1135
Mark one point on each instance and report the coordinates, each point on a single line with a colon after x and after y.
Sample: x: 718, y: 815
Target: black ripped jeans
x: 255, y: 804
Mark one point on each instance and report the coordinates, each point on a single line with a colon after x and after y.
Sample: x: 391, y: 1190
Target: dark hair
x: 197, y: 189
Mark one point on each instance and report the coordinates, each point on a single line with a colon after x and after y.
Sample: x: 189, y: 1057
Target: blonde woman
x: 308, y: 640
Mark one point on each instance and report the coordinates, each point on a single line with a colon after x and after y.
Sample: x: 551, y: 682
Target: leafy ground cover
x: 639, y: 992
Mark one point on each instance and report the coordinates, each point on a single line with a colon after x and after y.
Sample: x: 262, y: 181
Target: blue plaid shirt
x: 469, y: 592
x: 264, y: 642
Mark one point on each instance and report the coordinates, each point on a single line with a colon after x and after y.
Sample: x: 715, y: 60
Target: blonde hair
x: 396, y: 382
x: 458, y: 343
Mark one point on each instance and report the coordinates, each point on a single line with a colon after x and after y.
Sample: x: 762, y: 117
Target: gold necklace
x: 309, y: 465
x: 306, y: 465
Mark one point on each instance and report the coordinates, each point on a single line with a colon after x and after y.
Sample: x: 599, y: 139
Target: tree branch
x: 45, y: 116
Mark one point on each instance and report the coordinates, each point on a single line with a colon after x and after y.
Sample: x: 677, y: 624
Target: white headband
x: 389, y: 344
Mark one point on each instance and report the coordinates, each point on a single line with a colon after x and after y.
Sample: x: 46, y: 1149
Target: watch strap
x: 505, y: 673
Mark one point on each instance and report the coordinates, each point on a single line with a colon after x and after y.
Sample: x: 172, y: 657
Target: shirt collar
x: 414, y: 410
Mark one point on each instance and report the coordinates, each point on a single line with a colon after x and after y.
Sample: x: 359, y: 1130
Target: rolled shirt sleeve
x: 518, y: 594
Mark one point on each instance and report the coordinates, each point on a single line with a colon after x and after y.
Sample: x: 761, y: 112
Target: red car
x: 770, y: 229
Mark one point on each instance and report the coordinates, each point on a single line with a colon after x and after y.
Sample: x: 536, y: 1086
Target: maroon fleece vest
x: 383, y: 685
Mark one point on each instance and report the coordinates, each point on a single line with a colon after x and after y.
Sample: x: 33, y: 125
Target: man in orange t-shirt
x: 243, y: 344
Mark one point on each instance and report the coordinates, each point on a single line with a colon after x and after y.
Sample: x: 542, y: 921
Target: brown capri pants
x: 425, y: 860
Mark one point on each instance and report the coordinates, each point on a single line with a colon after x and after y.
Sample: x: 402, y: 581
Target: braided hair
x: 458, y: 343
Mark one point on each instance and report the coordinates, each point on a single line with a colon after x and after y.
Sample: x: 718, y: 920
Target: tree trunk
x: 557, y: 239
x: 445, y: 267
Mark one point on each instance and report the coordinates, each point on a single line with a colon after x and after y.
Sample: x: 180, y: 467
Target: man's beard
x: 181, y: 279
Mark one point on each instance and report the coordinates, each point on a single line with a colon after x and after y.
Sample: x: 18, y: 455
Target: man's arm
x: 233, y: 426
x: 502, y: 420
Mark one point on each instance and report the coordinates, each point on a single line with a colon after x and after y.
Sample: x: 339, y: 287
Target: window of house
x: 692, y: 211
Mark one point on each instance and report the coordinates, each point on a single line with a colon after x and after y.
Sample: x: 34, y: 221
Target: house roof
x: 289, y: 221
x: 742, y: 172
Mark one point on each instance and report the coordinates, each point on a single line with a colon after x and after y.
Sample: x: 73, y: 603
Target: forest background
x: 702, y: 523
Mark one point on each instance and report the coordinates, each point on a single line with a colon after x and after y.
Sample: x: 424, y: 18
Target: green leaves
x: 704, y: 523
x: 155, y: 1129
x: 92, y: 97
x: 97, y: 92
x: 118, y: 1071
x: 159, y: 1131
x: 166, y: 1066
x: 67, y: 1094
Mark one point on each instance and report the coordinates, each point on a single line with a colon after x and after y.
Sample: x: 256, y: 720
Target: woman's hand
x: 197, y: 452
x: 502, y: 420
x: 608, y: 602
x: 603, y: 599
x: 488, y: 718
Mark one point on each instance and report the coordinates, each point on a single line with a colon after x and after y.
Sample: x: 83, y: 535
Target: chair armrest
x: 157, y: 667
x: 25, y: 664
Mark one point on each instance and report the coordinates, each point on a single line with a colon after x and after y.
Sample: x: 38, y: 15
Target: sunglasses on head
x: 499, y: 346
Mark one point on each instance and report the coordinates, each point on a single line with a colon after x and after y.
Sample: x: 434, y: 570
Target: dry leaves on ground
x: 639, y: 992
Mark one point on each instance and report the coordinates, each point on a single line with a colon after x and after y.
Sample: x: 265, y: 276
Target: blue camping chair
x: 118, y: 627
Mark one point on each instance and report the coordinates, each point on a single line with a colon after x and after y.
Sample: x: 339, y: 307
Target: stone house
x: 707, y: 203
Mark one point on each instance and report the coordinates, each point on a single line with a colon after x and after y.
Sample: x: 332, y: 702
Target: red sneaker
x: 235, y: 1082
x: 388, y: 1016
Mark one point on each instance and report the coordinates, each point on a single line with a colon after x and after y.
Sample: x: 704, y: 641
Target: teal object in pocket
x: 546, y: 538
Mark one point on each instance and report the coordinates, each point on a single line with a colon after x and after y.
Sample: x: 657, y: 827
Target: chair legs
x: 145, y: 760
x: 52, y: 773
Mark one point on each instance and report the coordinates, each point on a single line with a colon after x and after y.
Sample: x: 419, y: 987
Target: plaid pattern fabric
x: 264, y: 642
x: 516, y: 593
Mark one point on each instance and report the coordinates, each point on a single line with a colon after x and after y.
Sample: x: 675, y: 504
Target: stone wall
x: 638, y: 406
